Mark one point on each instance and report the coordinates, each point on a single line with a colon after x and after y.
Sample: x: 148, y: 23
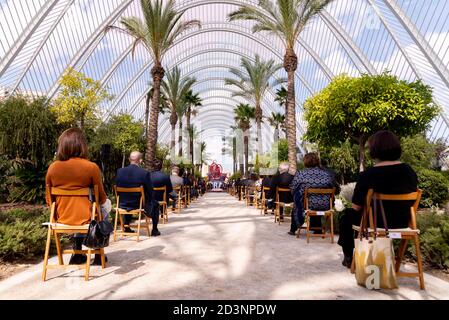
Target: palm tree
x: 157, y: 32
x: 281, y: 98
x: 253, y: 80
x: 193, y: 101
x: 276, y: 120
x: 285, y: 19
x: 243, y: 116
x: 175, y: 88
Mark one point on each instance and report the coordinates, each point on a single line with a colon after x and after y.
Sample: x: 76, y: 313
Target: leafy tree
x: 277, y: 120
x: 285, y: 19
x: 78, y: 101
x: 175, y: 88
x: 252, y: 81
x: 158, y: 31
x: 244, y: 113
x: 418, y: 152
x: 28, y: 130
x: 193, y: 101
x: 343, y: 160
x: 355, y: 108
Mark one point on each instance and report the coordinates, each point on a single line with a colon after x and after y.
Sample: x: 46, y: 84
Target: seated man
x: 132, y: 177
x: 281, y: 180
x: 176, y: 181
x: 160, y: 180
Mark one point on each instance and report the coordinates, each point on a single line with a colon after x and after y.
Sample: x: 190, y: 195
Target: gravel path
x: 216, y: 249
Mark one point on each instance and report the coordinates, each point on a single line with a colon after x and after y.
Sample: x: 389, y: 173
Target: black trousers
x: 154, y: 218
x: 347, y: 219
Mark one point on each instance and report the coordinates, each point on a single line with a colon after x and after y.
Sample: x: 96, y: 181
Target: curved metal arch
x: 298, y: 124
x: 91, y: 43
x: 189, y: 35
x: 41, y: 45
x: 25, y: 36
x: 425, y: 48
x: 142, y: 96
x: 315, y: 56
x: 347, y: 43
x: 228, y: 113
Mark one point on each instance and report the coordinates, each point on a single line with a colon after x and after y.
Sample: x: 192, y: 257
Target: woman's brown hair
x: 385, y: 146
x: 72, y: 144
x: 311, y: 160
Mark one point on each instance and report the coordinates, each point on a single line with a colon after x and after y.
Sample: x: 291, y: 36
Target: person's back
x: 159, y: 180
x: 175, y: 179
x: 282, y: 180
x: 393, y: 179
x: 132, y: 177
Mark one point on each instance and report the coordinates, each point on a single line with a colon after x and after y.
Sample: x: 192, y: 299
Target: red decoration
x: 215, y: 170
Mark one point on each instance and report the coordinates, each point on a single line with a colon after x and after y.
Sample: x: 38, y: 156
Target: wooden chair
x: 328, y: 214
x: 187, y: 194
x: 138, y: 212
x: 405, y: 234
x: 263, y: 207
x: 258, y: 197
x: 56, y: 229
x: 179, y: 201
x: 279, y: 204
x: 163, y: 204
x: 250, y: 196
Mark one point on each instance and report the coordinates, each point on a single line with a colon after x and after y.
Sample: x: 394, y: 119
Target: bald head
x: 135, y: 157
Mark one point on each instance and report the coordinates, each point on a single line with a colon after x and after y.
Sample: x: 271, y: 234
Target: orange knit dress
x: 74, y: 174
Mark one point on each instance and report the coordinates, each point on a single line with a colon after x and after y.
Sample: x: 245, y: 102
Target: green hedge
x: 22, y: 235
x: 435, y: 187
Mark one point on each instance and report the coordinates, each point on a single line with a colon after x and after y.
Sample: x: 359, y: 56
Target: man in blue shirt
x: 134, y: 176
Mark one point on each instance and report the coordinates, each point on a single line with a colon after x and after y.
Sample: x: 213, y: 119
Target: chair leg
x: 138, y: 226
x: 86, y: 276
x: 115, y: 226
x: 332, y: 227
x: 401, y: 252
x: 148, y: 226
x: 419, y: 260
x: 308, y: 228
x: 103, y: 259
x: 47, y: 252
x: 58, y: 249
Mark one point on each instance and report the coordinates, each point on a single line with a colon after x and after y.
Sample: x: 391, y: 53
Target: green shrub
x: 21, y: 233
x: 435, y: 187
x: 27, y: 183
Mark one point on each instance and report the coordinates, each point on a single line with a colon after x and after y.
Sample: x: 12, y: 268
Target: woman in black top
x: 389, y: 176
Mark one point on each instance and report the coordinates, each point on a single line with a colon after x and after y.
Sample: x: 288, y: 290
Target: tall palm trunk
x: 290, y: 65
x: 190, y: 135
x: 180, y: 137
x: 246, y: 146
x: 157, y: 73
x: 259, y: 116
x: 147, y: 112
x: 173, y: 143
x: 276, y: 134
x: 234, y: 154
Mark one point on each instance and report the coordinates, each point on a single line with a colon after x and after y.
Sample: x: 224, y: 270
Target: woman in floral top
x: 313, y: 176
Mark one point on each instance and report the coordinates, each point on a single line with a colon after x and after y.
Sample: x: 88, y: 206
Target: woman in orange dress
x: 73, y: 171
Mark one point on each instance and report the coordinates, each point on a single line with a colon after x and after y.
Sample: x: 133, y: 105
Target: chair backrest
x: 82, y: 192
x: 163, y: 190
x: 281, y: 190
x: 119, y: 190
x: 319, y: 191
x: 413, y: 196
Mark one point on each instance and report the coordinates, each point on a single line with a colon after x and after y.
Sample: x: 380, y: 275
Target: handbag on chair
x: 374, y: 257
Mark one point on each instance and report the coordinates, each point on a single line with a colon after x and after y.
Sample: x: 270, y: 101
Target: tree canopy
x: 355, y: 108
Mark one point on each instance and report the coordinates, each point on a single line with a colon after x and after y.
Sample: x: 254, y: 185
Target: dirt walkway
x: 217, y: 249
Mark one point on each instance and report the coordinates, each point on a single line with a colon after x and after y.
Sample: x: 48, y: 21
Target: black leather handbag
x: 98, y: 234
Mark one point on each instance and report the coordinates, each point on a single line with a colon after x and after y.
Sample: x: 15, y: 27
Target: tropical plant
x: 281, y: 98
x: 252, y: 81
x: 193, y: 101
x: 78, y: 101
x: 343, y: 161
x: 244, y: 113
x: 26, y: 183
x: 28, y: 130
x: 175, y: 89
x: 277, y: 120
x: 435, y: 187
x: 418, y: 152
x: 158, y: 31
x: 285, y: 19
x: 355, y: 108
